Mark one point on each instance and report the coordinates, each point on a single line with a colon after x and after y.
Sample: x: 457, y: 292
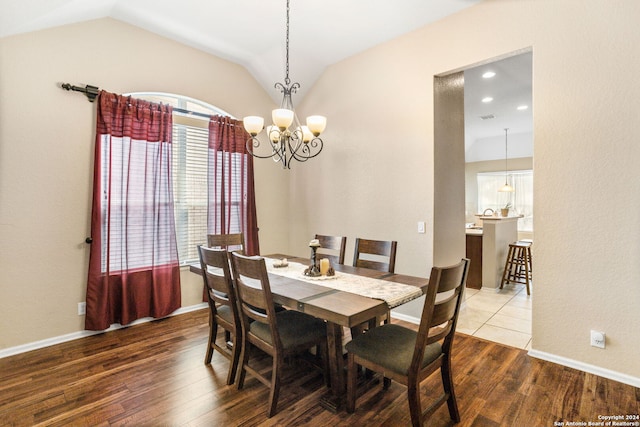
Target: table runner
x: 394, y: 294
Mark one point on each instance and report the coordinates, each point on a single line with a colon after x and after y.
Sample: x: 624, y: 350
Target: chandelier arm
x: 310, y: 147
x: 254, y: 142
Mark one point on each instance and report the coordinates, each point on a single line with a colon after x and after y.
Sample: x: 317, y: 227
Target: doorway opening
x: 500, y: 315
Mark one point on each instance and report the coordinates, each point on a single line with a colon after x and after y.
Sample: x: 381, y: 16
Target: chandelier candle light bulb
x: 316, y: 124
x: 306, y: 134
x: 253, y: 124
x: 274, y: 133
x: 282, y: 118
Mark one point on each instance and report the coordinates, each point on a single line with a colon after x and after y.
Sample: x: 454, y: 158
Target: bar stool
x: 518, y: 267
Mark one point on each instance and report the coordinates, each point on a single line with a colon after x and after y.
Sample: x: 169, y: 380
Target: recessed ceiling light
x: 488, y: 75
x: 523, y: 107
x: 487, y: 99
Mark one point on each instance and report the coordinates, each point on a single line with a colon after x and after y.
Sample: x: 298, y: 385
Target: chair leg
x: 527, y: 268
x: 352, y: 376
x: 246, y: 349
x: 386, y: 383
x: 213, y: 332
x: 275, y: 386
x: 235, y: 358
x: 447, y: 384
x: 506, y: 273
x: 415, y: 408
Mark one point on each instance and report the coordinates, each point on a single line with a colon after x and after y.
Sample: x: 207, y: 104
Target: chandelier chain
x: 287, y: 81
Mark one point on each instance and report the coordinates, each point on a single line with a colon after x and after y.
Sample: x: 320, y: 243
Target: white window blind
x: 130, y: 222
x: 190, y: 148
x: 521, y: 199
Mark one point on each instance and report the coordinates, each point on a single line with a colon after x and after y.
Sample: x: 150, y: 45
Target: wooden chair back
x: 229, y: 242
x: 332, y: 248
x: 216, y: 272
x: 255, y: 299
x: 375, y: 254
x: 223, y: 308
x: 440, y: 310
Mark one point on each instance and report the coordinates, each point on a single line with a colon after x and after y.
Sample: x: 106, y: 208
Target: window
x: 189, y: 169
x: 521, y: 199
x: 129, y: 248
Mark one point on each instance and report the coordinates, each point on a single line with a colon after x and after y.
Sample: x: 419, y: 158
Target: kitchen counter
x: 497, y: 233
x: 473, y: 231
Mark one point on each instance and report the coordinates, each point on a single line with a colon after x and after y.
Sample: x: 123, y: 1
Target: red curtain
x: 133, y: 266
x: 232, y: 202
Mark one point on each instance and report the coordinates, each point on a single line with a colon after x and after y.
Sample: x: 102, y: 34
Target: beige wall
x: 376, y: 178
x: 46, y: 156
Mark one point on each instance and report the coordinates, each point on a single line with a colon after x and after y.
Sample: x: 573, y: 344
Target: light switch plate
x: 421, y: 226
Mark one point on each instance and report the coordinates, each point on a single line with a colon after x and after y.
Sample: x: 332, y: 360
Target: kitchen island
x: 496, y: 234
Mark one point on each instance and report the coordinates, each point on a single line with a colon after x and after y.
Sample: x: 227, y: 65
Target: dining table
x: 351, y: 297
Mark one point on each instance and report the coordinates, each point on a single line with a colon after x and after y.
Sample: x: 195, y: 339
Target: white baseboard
x: 406, y: 318
x: 585, y: 367
x: 81, y: 334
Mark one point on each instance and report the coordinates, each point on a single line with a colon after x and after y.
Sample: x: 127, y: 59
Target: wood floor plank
x: 154, y: 374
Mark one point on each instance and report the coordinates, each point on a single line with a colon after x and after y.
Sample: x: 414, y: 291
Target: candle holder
x: 313, y: 270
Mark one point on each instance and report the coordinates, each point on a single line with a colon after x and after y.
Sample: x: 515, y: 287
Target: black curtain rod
x: 92, y: 93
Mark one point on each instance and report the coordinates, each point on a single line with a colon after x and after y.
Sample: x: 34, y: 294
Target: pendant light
x: 506, y: 188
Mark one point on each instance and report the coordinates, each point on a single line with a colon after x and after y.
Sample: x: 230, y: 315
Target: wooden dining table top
x: 340, y: 307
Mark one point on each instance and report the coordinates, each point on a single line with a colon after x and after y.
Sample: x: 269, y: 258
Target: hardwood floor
x: 153, y: 374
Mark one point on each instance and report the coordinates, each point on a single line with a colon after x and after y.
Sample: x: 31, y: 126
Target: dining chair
x: 235, y: 241
x: 375, y: 254
x: 408, y: 356
x: 332, y: 248
x: 279, y: 334
x: 223, y: 308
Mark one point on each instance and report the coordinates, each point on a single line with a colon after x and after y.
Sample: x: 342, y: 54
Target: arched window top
x: 181, y: 102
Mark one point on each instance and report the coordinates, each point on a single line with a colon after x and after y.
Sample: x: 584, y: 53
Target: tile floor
x: 498, y: 315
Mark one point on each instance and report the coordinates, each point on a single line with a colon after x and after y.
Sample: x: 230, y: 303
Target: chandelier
x: 288, y: 139
x: 506, y: 188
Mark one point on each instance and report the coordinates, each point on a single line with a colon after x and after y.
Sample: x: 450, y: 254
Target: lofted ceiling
x: 249, y: 32
x: 252, y: 33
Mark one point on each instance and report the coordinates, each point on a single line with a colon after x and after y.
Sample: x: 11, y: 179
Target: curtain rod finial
x: 90, y: 91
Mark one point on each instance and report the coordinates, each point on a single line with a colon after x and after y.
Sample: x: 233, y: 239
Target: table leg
x: 335, y: 399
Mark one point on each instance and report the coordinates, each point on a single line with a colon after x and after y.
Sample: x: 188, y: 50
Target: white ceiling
x: 252, y: 33
x: 510, y: 88
x: 249, y: 32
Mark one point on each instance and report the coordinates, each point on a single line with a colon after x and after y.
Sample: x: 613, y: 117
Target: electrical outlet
x: 597, y: 339
x: 82, y: 308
